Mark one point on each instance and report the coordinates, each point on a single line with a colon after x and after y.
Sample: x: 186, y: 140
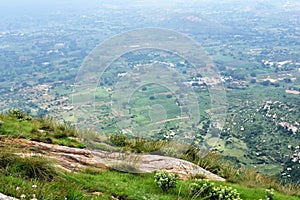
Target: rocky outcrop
x: 4, y: 197
x: 74, y: 159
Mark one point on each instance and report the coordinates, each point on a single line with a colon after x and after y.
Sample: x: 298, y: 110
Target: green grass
x: 223, y: 58
x: 57, y: 189
x: 43, y: 129
x: 255, y: 193
x: 113, y: 183
x: 18, y: 173
x: 29, y: 167
x: 137, y: 145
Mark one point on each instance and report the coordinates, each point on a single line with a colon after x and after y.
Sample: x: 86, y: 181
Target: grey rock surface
x: 4, y: 197
x: 73, y: 159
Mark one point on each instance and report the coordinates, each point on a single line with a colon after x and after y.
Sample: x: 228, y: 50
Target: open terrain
x: 32, y: 169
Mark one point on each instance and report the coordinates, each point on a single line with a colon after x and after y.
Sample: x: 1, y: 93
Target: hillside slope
x: 41, y: 159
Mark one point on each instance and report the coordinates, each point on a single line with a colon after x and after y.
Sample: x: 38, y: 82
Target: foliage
x: 261, y: 127
x: 27, y: 166
x: 211, y: 161
x: 135, y: 144
x: 119, y: 140
x: 201, y: 188
x: 18, y: 114
x: 17, y: 124
x: 230, y: 172
x: 225, y: 193
x: 207, y: 190
x: 108, y: 184
x: 290, y: 189
x: 165, y: 180
x: 246, y: 176
x: 269, y: 194
x: 20, y: 169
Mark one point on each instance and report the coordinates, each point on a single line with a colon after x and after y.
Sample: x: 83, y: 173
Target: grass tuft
x: 17, y: 124
x: 26, y: 166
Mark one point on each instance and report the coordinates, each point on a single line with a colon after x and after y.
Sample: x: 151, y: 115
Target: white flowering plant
x: 269, y: 194
x: 205, y: 189
x: 165, y: 180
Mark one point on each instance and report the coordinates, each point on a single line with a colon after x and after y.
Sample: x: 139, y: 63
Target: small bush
x: 205, y: 189
x: 136, y: 144
x: 119, y: 140
x: 142, y: 145
x: 211, y: 161
x: 58, y: 134
x: 229, y: 172
x: 169, y: 151
x: 269, y: 194
x: 252, y: 178
x: 165, y: 180
x: 67, y: 129
x: 215, y: 163
x: 47, y: 123
x: 225, y: 193
x: 201, y: 188
x: 18, y: 114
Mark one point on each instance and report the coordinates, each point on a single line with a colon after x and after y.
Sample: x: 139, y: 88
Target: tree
x: 151, y: 97
x: 287, y: 80
x: 144, y: 88
x: 253, y: 74
x: 266, y: 83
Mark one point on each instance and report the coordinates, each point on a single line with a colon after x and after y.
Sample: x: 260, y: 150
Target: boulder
x: 4, y: 197
x: 74, y: 159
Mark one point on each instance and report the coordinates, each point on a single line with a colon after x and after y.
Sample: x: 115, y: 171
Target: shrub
x: 165, y: 180
x: 136, y: 144
x: 18, y: 114
x: 151, y: 97
x: 252, y: 178
x: 201, y: 188
x: 119, y: 140
x: 225, y: 193
x: 269, y: 194
x: 229, y: 172
x: 142, y: 145
x: 67, y: 129
x: 169, y: 151
x: 211, y: 161
x: 47, y: 123
x: 205, y: 189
